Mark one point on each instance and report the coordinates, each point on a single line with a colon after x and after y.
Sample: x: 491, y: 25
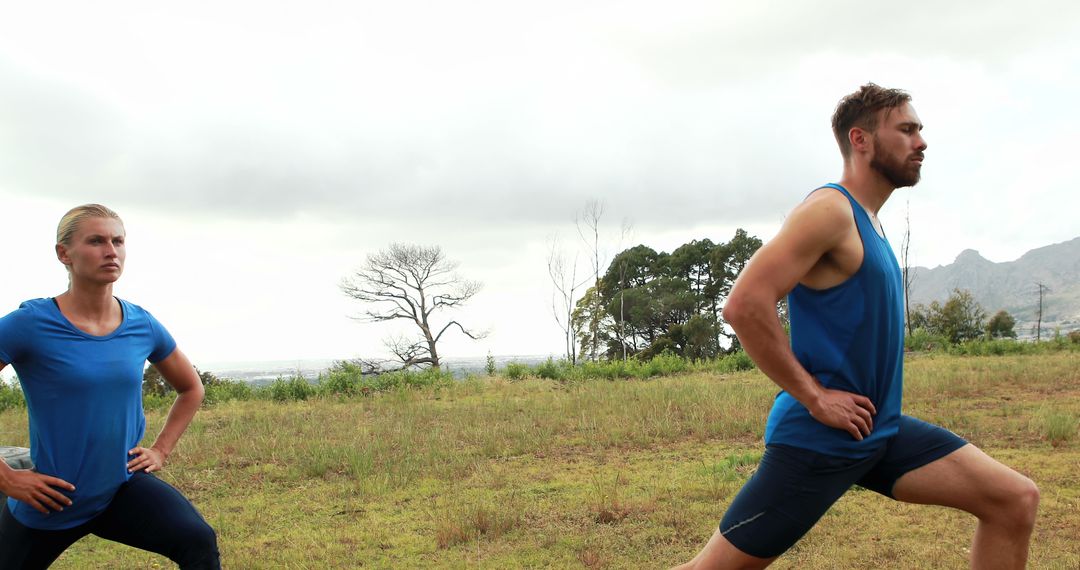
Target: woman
x: 80, y: 357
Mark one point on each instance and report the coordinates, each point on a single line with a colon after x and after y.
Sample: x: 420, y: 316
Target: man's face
x: 899, y: 146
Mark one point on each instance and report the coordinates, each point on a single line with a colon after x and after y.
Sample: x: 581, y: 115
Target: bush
x: 734, y: 362
x: 516, y: 370
x: 223, y: 390
x: 550, y: 370
x: 665, y: 364
x: 408, y: 379
x: 11, y: 396
x: 290, y: 389
x: 995, y: 347
x: 921, y: 339
x: 1001, y: 325
x: 158, y: 401
x: 340, y: 383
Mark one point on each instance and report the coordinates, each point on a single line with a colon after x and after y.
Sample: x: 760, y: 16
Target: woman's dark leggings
x: 146, y: 513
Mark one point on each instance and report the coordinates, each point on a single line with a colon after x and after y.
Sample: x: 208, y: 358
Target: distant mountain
x: 1012, y: 285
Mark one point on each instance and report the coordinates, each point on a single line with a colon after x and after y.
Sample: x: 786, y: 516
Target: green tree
x: 727, y: 261
x: 696, y: 338
x: 154, y: 383
x: 959, y: 319
x: 652, y: 297
x: 627, y: 293
x: 918, y: 317
x: 1001, y: 325
x: 691, y: 263
x: 594, y: 326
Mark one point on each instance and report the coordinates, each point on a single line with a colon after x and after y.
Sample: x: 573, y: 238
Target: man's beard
x: 899, y: 173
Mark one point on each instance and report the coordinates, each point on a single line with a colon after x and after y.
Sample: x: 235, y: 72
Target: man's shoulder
x: 827, y: 200
x: 824, y: 211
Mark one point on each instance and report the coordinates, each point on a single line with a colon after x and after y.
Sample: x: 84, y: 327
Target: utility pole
x: 1038, y: 326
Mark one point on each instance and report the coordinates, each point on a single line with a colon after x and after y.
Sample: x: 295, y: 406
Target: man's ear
x: 860, y: 139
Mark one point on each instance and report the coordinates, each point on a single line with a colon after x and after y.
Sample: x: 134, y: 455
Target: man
x: 837, y: 421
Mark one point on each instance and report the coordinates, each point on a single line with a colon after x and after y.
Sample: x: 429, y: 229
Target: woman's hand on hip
x: 39, y: 491
x: 148, y: 459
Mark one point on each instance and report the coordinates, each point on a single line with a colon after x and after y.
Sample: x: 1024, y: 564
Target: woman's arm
x: 180, y: 374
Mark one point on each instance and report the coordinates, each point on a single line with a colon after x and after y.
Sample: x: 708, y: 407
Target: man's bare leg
x: 1004, y: 501
x: 719, y: 554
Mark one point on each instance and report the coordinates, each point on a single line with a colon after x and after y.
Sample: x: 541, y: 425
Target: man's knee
x: 1016, y: 505
x: 1026, y: 502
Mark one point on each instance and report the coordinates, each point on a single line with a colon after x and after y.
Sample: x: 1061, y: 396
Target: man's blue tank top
x: 851, y: 338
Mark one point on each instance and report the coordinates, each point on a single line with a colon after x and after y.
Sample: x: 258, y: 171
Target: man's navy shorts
x: 793, y: 487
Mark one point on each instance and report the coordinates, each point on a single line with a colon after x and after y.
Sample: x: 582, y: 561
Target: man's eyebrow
x: 911, y: 124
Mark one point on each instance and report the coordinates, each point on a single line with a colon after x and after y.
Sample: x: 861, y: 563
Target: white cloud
x: 258, y: 151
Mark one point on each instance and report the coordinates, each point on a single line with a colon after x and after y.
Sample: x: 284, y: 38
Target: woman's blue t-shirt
x: 84, y: 400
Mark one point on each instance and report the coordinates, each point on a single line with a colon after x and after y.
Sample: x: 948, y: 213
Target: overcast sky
x: 258, y: 151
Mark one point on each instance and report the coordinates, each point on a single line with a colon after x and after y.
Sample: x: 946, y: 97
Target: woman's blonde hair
x: 69, y: 224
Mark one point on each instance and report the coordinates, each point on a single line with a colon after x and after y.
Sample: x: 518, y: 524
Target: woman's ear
x: 62, y: 255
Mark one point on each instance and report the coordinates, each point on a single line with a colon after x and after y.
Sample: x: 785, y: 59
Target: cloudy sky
x: 258, y: 151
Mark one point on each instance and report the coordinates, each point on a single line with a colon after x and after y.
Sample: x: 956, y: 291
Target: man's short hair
x: 860, y: 108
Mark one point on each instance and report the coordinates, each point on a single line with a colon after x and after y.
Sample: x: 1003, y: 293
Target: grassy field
x: 492, y: 473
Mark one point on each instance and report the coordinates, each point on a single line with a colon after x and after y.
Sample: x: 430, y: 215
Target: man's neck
x: 867, y: 185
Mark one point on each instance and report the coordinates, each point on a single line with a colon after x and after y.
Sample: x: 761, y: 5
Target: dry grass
x: 597, y: 474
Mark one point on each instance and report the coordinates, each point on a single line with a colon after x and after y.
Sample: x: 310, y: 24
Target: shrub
x: 290, y: 389
x: 405, y: 378
x: 550, y: 370
x: 921, y: 339
x: 224, y: 390
x: 1003, y: 346
x: 11, y: 396
x: 516, y: 370
x: 734, y: 362
x: 665, y: 364
x: 340, y: 383
x: 1001, y: 325
x: 158, y: 401
x: 995, y: 347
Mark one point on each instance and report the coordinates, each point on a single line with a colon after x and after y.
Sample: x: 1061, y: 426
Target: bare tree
x: 588, y: 226
x: 625, y: 233
x: 565, y: 284
x: 411, y: 282
x: 905, y: 262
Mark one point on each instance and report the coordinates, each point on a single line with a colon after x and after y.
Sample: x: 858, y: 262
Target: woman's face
x: 96, y: 253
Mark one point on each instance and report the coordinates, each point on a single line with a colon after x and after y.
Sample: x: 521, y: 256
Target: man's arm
x: 815, y: 228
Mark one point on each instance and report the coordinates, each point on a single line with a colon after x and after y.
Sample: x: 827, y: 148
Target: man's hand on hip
x: 844, y: 410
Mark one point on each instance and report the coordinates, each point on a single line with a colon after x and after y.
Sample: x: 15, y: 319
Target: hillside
x: 1012, y: 285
